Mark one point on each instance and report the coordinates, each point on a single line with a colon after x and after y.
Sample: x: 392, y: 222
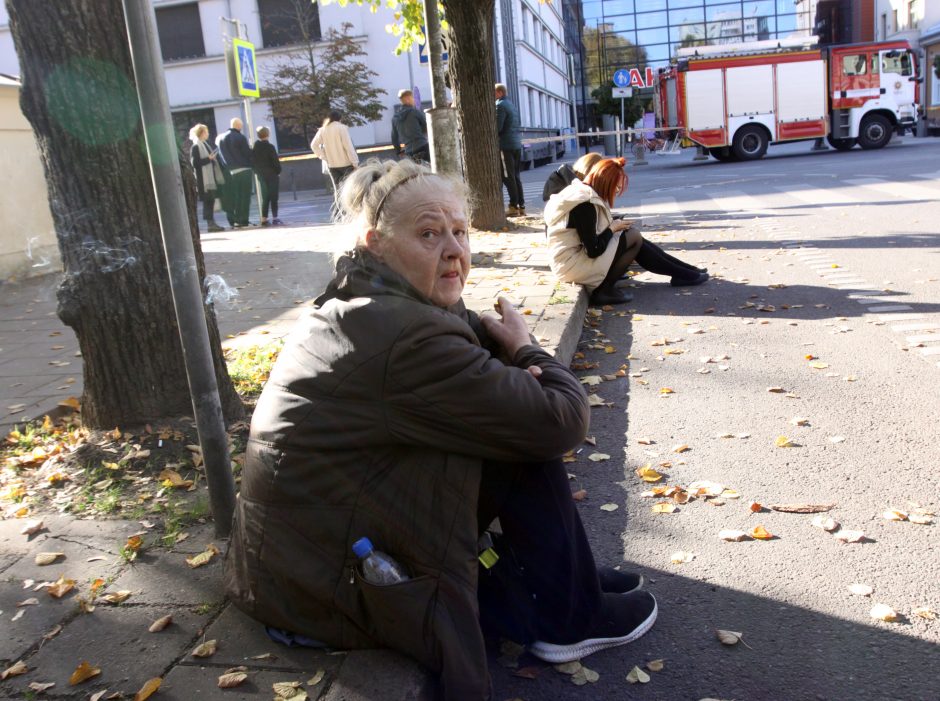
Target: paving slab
x: 187, y: 683
x: 21, y: 635
x: 159, y: 577
x: 370, y: 675
x: 74, y: 563
x: 115, y: 639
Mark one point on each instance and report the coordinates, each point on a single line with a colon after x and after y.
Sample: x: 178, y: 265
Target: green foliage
x: 607, y: 104
x: 250, y: 367
x: 309, y: 82
x: 408, y: 18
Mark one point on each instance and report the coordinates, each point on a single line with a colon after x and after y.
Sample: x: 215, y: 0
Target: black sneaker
x: 689, y: 282
x: 623, y: 618
x: 600, y: 297
x: 617, y: 582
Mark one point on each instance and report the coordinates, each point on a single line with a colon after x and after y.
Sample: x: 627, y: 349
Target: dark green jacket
x: 375, y: 422
x: 507, y: 125
x: 409, y: 127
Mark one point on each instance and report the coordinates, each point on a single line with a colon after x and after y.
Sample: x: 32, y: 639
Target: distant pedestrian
x: 209, y: 178
x: 237, y: 157
x: 410, y: 130
x: 268, y: 170
x: 333, y: 145
x: 510, y: 150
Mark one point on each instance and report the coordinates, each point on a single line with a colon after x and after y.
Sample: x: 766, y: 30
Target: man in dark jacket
x: 410, y: 129
x: 238, y: 160
x: 510, y: 149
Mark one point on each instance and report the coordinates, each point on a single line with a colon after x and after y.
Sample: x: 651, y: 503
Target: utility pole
x: 163, y: 156
x: 442, y: 125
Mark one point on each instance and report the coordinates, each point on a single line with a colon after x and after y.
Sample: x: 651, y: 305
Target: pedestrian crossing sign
x: 246, y: 70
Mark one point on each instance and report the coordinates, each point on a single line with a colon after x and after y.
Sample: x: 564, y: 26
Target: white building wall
x: 203, y: 82
x: 926, y: 14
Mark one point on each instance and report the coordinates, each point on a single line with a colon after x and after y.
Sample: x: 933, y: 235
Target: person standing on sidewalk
x: 268, y: 168
x: 410, y: 130
x: 510, y: 150
x: 209, y: 178
x: 237, y: 157
x: 333, y: 144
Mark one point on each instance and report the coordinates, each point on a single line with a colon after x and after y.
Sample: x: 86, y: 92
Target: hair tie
x: 378, y: 209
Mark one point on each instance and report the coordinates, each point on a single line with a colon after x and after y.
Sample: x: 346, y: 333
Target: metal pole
x: 623, y: 148
x: 443, y: 123
x: 250, y: 135
x: 180, y: 257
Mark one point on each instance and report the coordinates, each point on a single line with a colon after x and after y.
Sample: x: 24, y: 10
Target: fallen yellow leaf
x: 14, y: 670
x: 148, y: 689
x: 648, y: 474
x: 82, y: 673
x: 761, y: 533
x: 666, y: 390
x: 160, y: 624
x: 656, y: 665
x: 925, y: 612
x: 883, y: 612
x: 61, y: 587
x: 206, y: 649
x: 664, y: 507
x: 204, y: 557
x: 637, y: 675
x: 784, y: 442
x: 230, y: 679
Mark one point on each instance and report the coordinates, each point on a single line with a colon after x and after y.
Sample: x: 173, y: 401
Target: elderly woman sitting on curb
x: 394, y: 413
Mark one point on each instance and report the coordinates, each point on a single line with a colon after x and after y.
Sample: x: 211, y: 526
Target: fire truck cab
x: 735, y: 100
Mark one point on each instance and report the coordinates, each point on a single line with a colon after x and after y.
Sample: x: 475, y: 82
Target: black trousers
x: 511, y: 163
x: 337, y: 175
x: 545, y: 584
x: 240, y: 193
x: 422, y: 154
x: 270, y: 191
x: 208, y: 205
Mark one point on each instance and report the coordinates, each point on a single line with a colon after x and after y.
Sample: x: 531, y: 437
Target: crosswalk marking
x: 890, y: 308
x: 819, y: 196
x: 900, y: 317
x: 932, y: 350
x: 907, y: 191
x: 924, y: 338
x: 738, y: 201
x: 920, y: 326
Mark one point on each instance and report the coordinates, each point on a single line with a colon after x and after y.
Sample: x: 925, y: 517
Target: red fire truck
x: 736, y: 99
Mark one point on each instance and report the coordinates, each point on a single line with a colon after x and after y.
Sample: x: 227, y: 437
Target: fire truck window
x: 855, y: 64
x: 897, y: 62
x: 874, y: 64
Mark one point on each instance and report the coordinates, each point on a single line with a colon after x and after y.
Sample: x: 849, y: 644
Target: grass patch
x: 250, y: 367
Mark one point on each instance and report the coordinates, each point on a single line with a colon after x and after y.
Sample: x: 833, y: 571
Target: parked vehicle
x: 736, y: 99
x: 541, y: 152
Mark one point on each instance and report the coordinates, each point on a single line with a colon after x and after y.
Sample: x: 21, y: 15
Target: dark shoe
x: 264, y: 222
x: 689, y: 282
x: 215, y: 227
x: 623, y: 618
x: 512, y: 211
x: 617, y: 582
x: 277, y: 222
x: 600, y: 297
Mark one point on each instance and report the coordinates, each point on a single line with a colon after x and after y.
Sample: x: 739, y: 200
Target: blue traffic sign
x: 622, y: 78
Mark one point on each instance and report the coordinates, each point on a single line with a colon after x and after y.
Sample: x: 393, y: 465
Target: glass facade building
x: 613, y: 34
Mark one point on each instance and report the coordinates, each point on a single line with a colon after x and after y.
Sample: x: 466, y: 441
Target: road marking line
x: 865, y: 300
x: 822, y: 196
x: 900, y: 317
x: 891, y: 308
x: 933, y: 350
x: 867, y: 293
x: 737, y: 201
x: 924, y: 338
x: 907, y: 191
x: 841, y: 281
x: 920, y: 326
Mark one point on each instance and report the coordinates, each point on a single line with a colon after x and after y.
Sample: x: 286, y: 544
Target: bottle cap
x: 362, y: 547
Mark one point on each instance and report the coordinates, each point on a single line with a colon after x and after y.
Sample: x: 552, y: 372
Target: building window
x: 286, y: 22
x: 884, y: 25
x: 913, y: 14
x: 180, y: 32
x: 292, y: 141
x: 184, y: 121
x: 894, y: 12
x: 525, y: 24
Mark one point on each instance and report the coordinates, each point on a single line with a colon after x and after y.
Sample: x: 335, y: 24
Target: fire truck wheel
x: 840, y: 144
x: 750, y: 143
x: 875, y: 132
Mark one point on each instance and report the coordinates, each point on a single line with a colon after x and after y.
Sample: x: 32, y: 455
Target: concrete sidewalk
x: 273, y: 274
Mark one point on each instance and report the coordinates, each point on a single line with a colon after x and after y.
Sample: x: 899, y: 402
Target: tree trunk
x: 78, y: 93
x: 471, y: 66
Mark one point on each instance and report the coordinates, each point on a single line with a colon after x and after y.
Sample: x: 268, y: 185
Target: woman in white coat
x: 589, y: 247
x: 333, y: 145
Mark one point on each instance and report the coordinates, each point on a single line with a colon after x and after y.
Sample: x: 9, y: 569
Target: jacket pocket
x: 401, y: 616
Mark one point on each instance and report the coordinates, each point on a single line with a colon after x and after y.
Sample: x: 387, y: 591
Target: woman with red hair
x: 588, y: 246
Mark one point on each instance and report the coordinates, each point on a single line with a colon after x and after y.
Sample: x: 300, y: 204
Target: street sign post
x: 622, y: 90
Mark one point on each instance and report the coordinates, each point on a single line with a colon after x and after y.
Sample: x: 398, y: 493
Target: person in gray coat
x: 410, y: 129
x: 510, y: 150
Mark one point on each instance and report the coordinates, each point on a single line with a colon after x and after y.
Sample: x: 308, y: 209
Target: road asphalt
x: 825, y: 285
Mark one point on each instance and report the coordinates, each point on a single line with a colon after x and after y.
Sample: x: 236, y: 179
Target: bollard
x: 639, y: 150
x: 293, y: 185
x: 700, y: 154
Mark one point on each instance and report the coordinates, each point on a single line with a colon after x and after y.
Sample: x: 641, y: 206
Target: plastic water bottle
x: 377, y: 567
